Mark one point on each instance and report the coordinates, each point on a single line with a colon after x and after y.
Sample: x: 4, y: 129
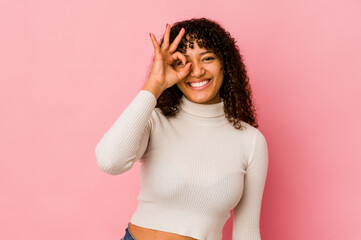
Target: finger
x: 166, y: 37
x: 176, y: 56
x: 155, y: 43
x: 176, y: 41
x: 184, y: 72
x: 156, y: 46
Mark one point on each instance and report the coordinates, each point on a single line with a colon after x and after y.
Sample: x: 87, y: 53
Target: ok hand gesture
x: 163, y: 75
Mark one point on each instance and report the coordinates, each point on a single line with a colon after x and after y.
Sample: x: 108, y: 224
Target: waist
x: 180, y: 221
x: 141, y: 233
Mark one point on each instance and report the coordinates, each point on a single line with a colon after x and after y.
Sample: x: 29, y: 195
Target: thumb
x: 184, y: 72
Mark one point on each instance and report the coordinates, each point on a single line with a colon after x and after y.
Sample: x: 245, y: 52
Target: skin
x: 169, y: 68
x: 205, y: 65
x: 163, y: 75
x: 140, y: 233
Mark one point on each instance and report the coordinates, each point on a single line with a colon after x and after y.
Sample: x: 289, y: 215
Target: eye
x: 208, y: 58
x: 178, y: 64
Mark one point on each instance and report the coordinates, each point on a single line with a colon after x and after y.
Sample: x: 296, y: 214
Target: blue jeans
x: 127, y: 235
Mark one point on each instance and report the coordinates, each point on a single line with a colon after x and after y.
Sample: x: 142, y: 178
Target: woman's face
x: 205, y: 77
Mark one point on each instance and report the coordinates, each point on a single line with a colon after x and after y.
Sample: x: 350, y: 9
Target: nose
x: 197, y: 70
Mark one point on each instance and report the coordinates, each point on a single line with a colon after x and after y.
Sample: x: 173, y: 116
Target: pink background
x: 69, y: 68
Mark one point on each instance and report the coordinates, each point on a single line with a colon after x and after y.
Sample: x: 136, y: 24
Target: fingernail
x: 150, y: 34
x: 167, y: 25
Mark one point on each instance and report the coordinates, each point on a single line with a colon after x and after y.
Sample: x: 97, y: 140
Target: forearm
x: 153, y: 87
x: 119, y: 147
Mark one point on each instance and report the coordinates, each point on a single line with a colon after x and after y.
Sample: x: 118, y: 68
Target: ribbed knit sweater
x: 195, y: 168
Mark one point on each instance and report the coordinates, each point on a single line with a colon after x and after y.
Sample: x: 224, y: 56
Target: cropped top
x: 195, y: 168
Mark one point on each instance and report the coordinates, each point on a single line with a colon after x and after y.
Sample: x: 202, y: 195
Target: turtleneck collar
x: 202, y: 110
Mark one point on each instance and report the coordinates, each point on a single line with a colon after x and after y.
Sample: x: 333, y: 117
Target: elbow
x: 107, y: 168
x: 111, y: 164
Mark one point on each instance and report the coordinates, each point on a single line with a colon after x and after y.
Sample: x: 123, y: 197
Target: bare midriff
x: 140, y: 233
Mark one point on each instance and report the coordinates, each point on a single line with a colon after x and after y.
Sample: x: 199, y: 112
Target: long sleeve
x: 246, y: 215
x: 127, y: 139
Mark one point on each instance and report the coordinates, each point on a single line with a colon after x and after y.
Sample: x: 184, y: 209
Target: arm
x: 127, y: 139
x: 246, y: 214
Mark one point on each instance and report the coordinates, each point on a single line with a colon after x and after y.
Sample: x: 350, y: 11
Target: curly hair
x: 235, y: 90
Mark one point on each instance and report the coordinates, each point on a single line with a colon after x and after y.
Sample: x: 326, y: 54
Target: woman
x: 193, y: 127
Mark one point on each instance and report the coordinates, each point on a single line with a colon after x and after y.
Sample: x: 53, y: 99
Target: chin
x: 199, y: 99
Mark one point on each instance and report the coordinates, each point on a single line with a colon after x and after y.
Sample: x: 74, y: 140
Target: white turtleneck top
x: 195, y: 168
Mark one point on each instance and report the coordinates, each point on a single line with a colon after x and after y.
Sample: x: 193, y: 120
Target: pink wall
x: 69, y: 68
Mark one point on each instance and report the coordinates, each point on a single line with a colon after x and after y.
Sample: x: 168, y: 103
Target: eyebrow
x: 209, y: 51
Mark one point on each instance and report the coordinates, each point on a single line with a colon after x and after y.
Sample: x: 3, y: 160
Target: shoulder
x: 157, y: 115
x: 252, y: 133
x: 157, y: 118
x: 257, y: 143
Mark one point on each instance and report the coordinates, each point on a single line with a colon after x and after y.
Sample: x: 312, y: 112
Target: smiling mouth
x: 199, y: 84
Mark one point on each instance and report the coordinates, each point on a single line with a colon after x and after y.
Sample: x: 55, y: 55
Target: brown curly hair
x: 235, y: 90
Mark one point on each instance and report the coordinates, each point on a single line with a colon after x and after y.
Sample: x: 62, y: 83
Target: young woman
x: 193, y: 127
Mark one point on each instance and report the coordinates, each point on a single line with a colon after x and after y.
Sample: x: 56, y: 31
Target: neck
x: 212, y: 110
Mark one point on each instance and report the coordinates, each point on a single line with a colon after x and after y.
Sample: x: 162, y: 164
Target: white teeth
x: 200, y: 84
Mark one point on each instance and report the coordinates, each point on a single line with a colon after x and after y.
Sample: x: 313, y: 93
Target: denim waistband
x: 128, y: 235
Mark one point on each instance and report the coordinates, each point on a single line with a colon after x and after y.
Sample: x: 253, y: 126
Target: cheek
x: 217, y: 70
x: 220, y: 80
x: 219, y: 74
x: 181, y: 85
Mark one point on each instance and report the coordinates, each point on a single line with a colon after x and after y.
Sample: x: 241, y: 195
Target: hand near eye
x: 163, y: 75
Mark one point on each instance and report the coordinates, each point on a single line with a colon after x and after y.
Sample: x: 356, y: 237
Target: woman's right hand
x: 163, y: 74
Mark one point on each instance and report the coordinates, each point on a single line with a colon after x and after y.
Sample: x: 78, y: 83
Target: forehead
x: 195, y: 49
x: 190, y: 43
